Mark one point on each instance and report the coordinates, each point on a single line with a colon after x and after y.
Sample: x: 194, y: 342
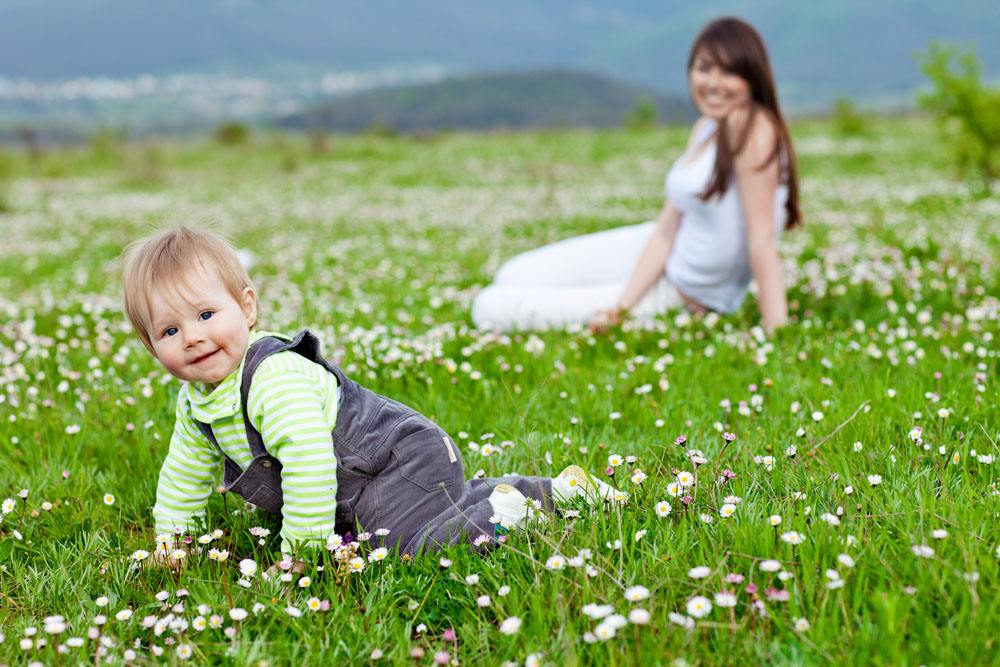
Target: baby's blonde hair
x: 169, y: 259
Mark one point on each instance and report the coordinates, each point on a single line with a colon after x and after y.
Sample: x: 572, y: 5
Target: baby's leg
x: 506, y: 500
x: 419, y: 481
x: 464, y: 521
x: 468, y: 517
x: 536, y: 488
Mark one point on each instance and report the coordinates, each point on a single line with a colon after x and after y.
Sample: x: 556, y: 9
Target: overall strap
x: 257, y: 352
x: 304, y: 343
x: 351, y: 402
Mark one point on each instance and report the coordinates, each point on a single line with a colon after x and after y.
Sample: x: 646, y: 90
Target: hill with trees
x: 550, y: 98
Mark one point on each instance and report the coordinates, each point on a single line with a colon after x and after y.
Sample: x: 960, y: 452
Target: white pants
x: 568, y: 282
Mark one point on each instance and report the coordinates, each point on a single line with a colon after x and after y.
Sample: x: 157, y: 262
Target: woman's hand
x: 648, y: 269
x: 605, y: 320
x: 771, y: 325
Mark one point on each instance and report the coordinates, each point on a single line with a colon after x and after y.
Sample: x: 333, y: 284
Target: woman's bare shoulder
x: 752, y: 133
x: 696, y: 130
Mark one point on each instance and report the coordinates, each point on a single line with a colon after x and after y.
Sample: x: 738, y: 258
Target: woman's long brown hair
x: 737, y: 47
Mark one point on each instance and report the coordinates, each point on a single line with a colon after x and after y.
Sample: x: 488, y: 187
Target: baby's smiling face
x: 200, y: 331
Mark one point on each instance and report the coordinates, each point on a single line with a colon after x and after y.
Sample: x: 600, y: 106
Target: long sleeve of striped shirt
x: 187, y: 477
x: 293, y: 404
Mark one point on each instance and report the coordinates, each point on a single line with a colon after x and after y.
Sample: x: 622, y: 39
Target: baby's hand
x: 287, y: 565
x: 171, y: 559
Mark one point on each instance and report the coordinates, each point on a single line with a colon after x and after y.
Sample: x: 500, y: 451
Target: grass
x: 379, y: 245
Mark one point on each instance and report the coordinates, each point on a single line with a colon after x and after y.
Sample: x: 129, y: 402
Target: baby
x: 293, y: 434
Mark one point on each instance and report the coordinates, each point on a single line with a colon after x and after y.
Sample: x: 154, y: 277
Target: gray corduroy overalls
x: 396, y: 469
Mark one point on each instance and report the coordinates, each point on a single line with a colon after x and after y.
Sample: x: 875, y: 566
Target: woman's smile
x: 716, y: 91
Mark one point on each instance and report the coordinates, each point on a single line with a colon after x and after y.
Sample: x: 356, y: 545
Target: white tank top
x: 709, y: 261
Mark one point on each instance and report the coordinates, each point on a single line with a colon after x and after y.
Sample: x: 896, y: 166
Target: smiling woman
x: 729, y: 196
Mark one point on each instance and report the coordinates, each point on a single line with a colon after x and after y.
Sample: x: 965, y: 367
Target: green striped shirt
x: 293, y: 404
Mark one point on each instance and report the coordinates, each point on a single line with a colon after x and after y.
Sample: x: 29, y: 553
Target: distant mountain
x: 490, y: 101
x: 821, y: 48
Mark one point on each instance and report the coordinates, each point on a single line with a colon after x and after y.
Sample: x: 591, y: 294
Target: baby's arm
x: 295, y: 416
x: 187, y: 476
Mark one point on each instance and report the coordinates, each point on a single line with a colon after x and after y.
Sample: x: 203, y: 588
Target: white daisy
x: 699, y: 606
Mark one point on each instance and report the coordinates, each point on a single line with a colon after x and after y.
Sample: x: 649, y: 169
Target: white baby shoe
x: 574, y: 481
x: 511, y: 508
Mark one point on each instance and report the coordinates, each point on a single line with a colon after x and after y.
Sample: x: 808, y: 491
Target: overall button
x: 266, y: 464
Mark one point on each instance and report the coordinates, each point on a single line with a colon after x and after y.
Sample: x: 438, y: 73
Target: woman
x: 728, y: 198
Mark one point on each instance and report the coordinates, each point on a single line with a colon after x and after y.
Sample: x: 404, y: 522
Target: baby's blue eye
x: 170, y: 331
x: 207, y: 315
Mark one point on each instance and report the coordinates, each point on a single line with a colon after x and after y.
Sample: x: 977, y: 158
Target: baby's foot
x: 511, y: 508
x: 574, y: 481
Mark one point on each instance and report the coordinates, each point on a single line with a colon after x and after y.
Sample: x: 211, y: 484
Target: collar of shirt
x: 209, y: 405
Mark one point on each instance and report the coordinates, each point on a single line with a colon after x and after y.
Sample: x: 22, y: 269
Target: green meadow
x: 852, y: 520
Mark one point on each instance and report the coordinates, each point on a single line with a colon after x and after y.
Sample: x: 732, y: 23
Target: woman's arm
x: 648, y: 269
x: 757, y: 183
x: 653, y: 260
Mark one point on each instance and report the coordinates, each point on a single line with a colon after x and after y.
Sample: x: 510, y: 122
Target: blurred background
x: 69, y: 68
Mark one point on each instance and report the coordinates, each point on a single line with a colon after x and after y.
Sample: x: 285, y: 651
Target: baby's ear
x: 250, y: 306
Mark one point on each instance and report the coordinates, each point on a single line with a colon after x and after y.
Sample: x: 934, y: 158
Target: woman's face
x: 715, y: 91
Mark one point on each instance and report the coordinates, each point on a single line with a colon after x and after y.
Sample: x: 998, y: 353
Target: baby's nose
x: 192, y: 338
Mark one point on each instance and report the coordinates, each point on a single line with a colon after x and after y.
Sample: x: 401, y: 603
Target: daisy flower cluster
x: 856, y: 500
x: 714, y: 486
